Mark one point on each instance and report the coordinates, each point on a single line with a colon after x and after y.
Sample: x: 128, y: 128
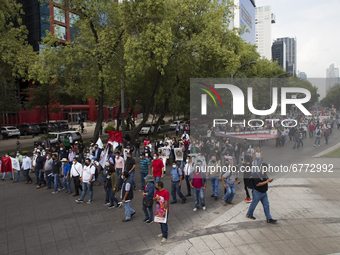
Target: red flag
x: 6, y: 164
x: 115, y: 136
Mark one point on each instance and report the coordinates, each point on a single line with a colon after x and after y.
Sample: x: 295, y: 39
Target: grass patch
x: 333, y: 154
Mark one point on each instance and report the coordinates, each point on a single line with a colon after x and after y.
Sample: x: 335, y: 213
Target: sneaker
x: 195, y: 209
x: 89, y: 202
x: 271, y: 221
x: 133, y: 214
x: 111, y: 207
x: 61, y: 189
x: 54, y: 192
x: 248, y: 200
x: 145, y: 220
x: 184, y: 201
x: 160, y: 235
x: 163, y: 240
x: 149, y: 222
x: 79, y: 201
x: 106, y: 204
x: 135, y: 188
x: 204, y: 208
x: 118, y: 206
x: 141, y: 190
x: 314, y: 145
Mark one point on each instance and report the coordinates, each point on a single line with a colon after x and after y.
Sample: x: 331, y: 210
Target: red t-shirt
x: 197, y: 181
x: 157, y: 166
x: 164, y: 193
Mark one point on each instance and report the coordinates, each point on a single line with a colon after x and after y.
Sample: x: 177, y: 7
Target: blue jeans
x: 38, y: 173
x: 175, y: 188
x: 257, y: 162
x: 148, y: 215
x: 263, y: 197
x: 67, y: 183
x: 317, y: 139
x: 48, y: 178
x: 237, y: 157
x: 85, y: 188
x: 214, y: 183
x: 157, y: 179
x: 57, y: 182
x: 199, y: 195
x: 112, y: 196
x: 132, y: 176
x: 326, y: 138
x: 119, y: 175
x: 142, y: 175
x: 296, y: 142
x: 300, y: 142
x: 107, y: 194
x: 164, y: 227
x: 4, y: 175
x: 17, y: 175
x: 128, y: 210
x: 230, y: 192
x: 137, y: 149
x: 311, y: 133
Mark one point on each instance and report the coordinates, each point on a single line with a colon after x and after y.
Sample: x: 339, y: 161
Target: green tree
x: 332, y: 98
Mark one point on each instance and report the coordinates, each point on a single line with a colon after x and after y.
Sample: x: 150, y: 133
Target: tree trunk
x: 48, y: 120
x: 162, y: 115
x: 100, y: 113
x: 118, y: 117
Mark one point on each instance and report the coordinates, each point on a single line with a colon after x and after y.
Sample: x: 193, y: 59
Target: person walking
x: 163, y: 194
x: 56, y: 169
x: 144, y: 169
x: 137, y: 147
x: 26, y: 167
x: 327, y: 132
x: 88, y: 178
x: 75, y: 174
x: 66, y: 173
x: 188, y: 169
x: 157, y: 168
x: 260, y: 194
x: 127, y: 196
x: 148, y: 199
x: 19, y: 158
x: 39, y: 166
x: 318, y: 133
x: 214, y: 174
x: 258, y: 157
x: 198, y: 183
x: 229, y: 179
x: 130, y: 166
x: 113, y: 188
x: 47, y: 170
x: 246, y: 175
x: 119, y: 166
x: 175, y: 183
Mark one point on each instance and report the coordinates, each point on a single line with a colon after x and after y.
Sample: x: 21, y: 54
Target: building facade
x: 40, y: 17
x: 302, y: 75
x: 244, y: 15
x: 264, y: 18
x: 290, y: 64
x: 279, y: 53
x: 332, y: 77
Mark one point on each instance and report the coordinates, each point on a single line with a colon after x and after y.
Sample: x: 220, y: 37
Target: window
x: 267, y: 9
x: 59, y: 14
x: 60, y: 31
x: 73, y: 19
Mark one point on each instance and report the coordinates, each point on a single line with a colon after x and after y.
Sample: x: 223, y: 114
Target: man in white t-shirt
x: 88, y: 178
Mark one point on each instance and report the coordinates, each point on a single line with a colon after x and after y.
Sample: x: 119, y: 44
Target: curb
x: 333, y: 148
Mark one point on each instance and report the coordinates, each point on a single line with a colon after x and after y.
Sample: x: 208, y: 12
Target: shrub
x: 109, y: 120
x: 109, y: 128
x: 162, y: 122
x: 42, y: 137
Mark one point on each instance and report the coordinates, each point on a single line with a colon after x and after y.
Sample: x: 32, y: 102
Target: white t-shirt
x: 87, y: 171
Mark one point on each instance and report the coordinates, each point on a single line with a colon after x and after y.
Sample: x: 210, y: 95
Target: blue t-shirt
x: 67, y: 168
x: 176, y: 176
x: 144, y: 164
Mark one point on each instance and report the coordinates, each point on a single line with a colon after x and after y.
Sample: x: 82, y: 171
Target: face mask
x: 74, y: 162
x: 61, y: 149
x: 33, y: 154
x: 187, y: 161
x: 173, y: 166
x: 117, y: 156
x: 154, y: 157
x: 141, y: 157
x: 18, y: 154
x: 86, y: 164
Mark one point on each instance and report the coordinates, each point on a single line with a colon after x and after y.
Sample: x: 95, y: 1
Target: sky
x: 315, y: 24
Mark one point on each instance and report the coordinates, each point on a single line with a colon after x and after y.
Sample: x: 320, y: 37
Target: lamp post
x: 270, y: 92
x: 232, y: 78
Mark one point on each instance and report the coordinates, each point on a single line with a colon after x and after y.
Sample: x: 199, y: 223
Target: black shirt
x: 40, y: 162
x: 129, y: 163
x: 137, y: 144
x: 264, y: 177
x: 81, y: 148
x: 56, y: 166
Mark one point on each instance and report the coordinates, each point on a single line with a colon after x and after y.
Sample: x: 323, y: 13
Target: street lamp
x: 232, y: 78
x: 270, y: 92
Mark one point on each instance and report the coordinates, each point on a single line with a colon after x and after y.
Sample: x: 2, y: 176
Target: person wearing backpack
x: 176, y: 182
x: 318, y: 133
x: 228, y: 178
x: 259, y: 183
x: 327, y: 132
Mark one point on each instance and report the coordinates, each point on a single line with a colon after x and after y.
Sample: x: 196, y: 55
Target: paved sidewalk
x: 308, y: 214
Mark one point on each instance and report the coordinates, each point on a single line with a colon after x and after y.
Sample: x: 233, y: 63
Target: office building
x: 302, y: 75
x: 264, y: 18
x: 279, y: 53
x: 290, y: 52
x: 332, y: 77
x: 244, y: 15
